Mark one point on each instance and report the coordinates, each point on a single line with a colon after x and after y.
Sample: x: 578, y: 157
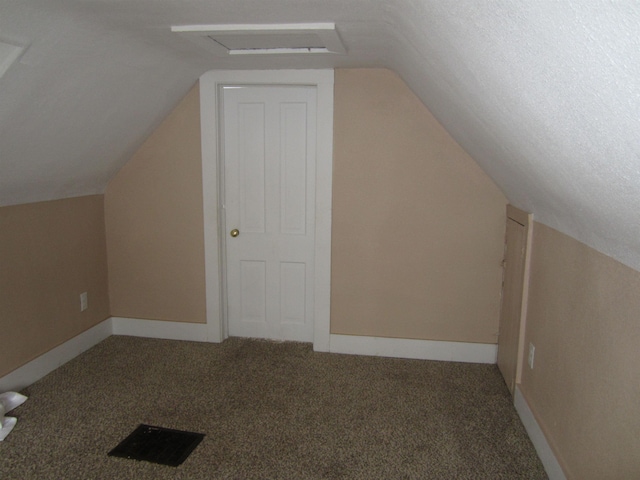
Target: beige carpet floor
x: 270, y: 411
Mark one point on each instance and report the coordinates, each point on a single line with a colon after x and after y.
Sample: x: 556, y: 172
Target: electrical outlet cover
x: 84, y: 301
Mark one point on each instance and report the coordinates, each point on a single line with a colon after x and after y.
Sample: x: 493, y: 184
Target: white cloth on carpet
x: 9, y: 401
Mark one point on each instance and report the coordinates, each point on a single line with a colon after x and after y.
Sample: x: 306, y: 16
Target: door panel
x: 251, y: 167
x: 253, y: 281
x: 512, y: 297
x: 269, y: 167
x: 292, y: 292
x: 293, y: 118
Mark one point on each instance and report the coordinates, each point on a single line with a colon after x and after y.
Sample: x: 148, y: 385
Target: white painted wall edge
x: 416, y: 349
x: 136, y: 327
x: 39, y: 367
x: 548, y: 459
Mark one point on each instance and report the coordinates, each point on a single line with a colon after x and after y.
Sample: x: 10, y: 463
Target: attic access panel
x: 259, y: 39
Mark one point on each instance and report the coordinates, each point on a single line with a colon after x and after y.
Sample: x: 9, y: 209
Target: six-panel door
x: 269, y: 135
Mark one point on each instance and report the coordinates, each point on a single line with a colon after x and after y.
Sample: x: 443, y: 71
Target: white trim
x: 324, y: 185
x: 524, y: 307
x: 210, y: 174
x: 209, y: 86
x: 548, y: 459
x: 212, y: 37
x: 417, y: 349
x: 136, y: 327
x: 47, y: 362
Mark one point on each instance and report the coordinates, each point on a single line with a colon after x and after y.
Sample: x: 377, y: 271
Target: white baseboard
x: 549, y: 460
x: 417, y: 349
x: 135, y: 327
x: 349, y: 344
x: 36, y: 369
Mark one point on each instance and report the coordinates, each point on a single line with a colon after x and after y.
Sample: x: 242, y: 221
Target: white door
x: 269, y: 135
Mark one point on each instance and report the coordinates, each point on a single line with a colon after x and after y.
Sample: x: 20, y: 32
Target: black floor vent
x: 158, y: 445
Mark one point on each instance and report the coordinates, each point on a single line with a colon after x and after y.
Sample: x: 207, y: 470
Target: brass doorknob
x: 234, y: 233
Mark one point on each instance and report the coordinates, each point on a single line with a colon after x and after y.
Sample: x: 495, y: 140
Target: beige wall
x: 583, y: 318
x: 50, y: 252
x: 154, y: 224
x: 418, y: 228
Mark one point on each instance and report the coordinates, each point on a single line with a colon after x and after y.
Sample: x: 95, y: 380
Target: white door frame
x: 210, y: 85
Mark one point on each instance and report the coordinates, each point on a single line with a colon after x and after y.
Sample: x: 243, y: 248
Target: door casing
x: 210, y: 95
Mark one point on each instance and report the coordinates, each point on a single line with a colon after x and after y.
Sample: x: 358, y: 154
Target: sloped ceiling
x: 544, y: 95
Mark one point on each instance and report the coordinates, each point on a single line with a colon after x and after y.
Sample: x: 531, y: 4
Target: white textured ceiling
x: 544, y: 95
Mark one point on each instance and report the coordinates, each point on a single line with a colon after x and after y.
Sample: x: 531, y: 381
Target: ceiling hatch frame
x: 10, y: 53
x: 261, y: 39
